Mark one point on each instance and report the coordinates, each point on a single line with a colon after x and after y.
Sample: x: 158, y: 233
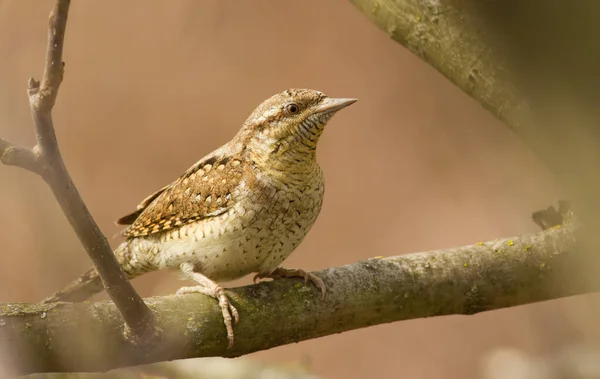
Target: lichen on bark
x: 463, y: 280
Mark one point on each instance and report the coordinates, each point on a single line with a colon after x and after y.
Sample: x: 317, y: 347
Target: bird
x: 241, y: 209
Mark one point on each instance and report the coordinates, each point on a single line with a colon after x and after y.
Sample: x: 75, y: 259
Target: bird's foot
x: 230, y: 314
x: 281, y: 272
x: 211, y: 288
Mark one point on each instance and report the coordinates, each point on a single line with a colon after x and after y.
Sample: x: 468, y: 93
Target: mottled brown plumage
x: 241, y: 209
x: 205, y: 190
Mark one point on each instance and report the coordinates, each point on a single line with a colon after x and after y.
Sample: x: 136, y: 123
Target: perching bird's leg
x: 210, y: 288
x: 281, y: 272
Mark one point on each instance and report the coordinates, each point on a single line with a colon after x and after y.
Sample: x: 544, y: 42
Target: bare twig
x: 459, y: 281
x: 45, y: 160
x: 14, y: 155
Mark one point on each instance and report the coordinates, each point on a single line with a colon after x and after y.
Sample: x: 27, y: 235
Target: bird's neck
x: 291, y: 164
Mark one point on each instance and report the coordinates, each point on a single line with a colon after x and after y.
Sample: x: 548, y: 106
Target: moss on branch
x: 464, y: 280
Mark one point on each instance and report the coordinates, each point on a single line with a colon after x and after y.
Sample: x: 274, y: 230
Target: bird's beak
x: 333, y: 105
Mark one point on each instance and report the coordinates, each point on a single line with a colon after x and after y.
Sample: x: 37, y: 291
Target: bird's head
x: 289, y: 124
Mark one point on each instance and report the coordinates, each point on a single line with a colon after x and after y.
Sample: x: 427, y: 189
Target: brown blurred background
x: 151, y: 87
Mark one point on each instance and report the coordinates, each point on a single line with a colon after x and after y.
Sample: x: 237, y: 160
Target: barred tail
x: 90, y: 283
x: 79, y: 290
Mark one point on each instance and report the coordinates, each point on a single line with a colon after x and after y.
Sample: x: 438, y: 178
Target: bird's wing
x: 206, y: 189
x: 131, y: 217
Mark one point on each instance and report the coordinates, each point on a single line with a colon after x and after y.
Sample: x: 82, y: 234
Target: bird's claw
x: 231, y: 315
x: 281, y: 272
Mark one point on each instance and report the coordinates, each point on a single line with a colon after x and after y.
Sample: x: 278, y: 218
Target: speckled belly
x: 250, y: 237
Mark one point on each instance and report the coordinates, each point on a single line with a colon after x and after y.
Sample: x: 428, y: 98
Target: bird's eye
x: 292, y: 108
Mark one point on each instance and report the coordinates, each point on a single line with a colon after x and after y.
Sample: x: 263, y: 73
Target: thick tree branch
x: 45, y: 159
x: 464, y: 280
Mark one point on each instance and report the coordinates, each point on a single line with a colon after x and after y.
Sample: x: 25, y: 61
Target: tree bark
x: 459, y: 281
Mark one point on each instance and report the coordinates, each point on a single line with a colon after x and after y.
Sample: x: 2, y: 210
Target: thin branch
x: 14, y: 155
x: 45, y: 159
x: 54, y: 67
x: 459, y: 281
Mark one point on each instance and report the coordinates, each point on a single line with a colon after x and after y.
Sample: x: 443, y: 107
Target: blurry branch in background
x: 45, y: 160
x: 458, y: 281
x: 452, y: 37
x: 539, y: 80
x: 569, y: 362
x: 211, y: 368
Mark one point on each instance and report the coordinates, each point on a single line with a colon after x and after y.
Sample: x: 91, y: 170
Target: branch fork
x: 45, y: 160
